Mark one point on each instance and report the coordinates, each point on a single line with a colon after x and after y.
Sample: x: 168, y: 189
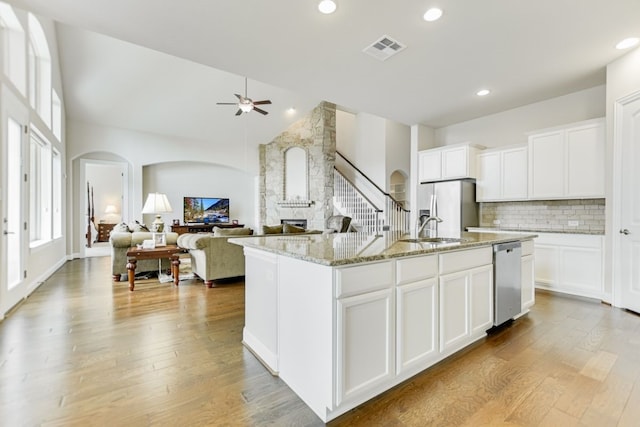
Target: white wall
x: 106, y: 180
x: 198, y: 179
x: 397, y: 151
x: 370, y: 147
x: 346, y: 133
x: 623, y: 78
x: 511, y: 126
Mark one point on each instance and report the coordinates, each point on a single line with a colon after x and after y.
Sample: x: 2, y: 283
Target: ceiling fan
x: 246, y: 104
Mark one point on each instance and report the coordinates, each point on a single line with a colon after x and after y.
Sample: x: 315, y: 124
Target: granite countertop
x: 539, y: 230
x: 351, y: 248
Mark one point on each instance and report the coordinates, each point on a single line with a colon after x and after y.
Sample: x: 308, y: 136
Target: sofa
x: 214, y: 258
x: 121, y: 241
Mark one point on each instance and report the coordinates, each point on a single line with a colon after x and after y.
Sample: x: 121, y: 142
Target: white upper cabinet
x: 452, y: 162
x: 568, y: 162
x: 502, y: 175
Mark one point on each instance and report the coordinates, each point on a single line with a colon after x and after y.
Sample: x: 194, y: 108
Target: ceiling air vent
x: 384, y: 48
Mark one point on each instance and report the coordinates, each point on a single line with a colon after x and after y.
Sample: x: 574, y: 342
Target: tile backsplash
x: 542, y: 215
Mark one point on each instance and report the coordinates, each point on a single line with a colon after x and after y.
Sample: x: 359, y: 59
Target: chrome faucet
x: 422, y: 224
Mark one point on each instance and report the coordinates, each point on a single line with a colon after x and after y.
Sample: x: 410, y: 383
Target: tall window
x: 40, y: 190
x: 39, y: 71
x: 56, y: 179
x: 12, y: 42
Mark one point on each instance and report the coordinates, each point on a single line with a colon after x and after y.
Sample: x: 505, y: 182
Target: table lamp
x: 157, y: 203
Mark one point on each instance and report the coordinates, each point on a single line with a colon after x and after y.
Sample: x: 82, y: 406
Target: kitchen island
x: 343, y: 317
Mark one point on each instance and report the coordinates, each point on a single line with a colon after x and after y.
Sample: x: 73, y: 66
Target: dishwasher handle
x: 507, y: 246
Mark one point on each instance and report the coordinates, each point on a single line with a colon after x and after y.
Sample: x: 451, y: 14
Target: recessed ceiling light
x: 291, y: 110
x: 483, y: 92
x: 627, y: 43
x: 432, y: 14
x: 327, y: 6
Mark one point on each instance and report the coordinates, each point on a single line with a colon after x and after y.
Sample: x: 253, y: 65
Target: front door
x: 628, y: 136
x: 12, y: 240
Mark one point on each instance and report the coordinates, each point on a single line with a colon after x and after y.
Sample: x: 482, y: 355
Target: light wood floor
x: 84, y: 351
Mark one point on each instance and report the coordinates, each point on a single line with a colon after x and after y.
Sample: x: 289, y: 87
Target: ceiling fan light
x: 327, y: 6
x: 245, y: 106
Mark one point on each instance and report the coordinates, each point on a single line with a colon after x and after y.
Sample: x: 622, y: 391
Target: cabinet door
x: 546, y: 165
x: 481, y: 299
x: 514, y: 174
x: 585, y: 161
x: 489, y: 182
x: 581, y: 270
x: 546, y: 264
x: 454, y: 312
x: 365, y: 343
x: 430, y: 166
x: 455, y: 163
x: 417, y: 324
x: 528, y: 282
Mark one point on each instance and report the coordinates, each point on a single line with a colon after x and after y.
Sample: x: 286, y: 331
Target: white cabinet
x: 260, y: 331
x: 365, y: 329
x: 466, y: 297
x: 570, y: 263
x: 452, y: 162
x: 416, y: 313
x: 568, y: 162
x: 502, y: 175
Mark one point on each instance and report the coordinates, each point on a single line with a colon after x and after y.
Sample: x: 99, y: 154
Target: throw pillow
x: 139, y: 227
x: 288, y: 228
x: 121, y: 228
x: 271, y: 229
x: 239, y: 231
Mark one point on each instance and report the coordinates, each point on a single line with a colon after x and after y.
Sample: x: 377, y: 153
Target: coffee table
x: 170, y: 251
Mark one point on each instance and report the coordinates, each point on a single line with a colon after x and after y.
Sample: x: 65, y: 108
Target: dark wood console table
x: 201, y: 228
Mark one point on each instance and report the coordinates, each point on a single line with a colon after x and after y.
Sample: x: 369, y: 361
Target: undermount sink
x: 434, y: 240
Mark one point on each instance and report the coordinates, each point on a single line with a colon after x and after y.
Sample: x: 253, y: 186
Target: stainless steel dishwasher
x: 507, y: 281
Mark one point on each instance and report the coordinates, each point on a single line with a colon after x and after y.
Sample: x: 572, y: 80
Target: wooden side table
x: 103, y: 231
x: 170, y: 251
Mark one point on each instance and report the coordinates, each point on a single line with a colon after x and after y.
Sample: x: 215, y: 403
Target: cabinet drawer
x: 464, y: 260
x: 417, y: 268
x: 363, y: 278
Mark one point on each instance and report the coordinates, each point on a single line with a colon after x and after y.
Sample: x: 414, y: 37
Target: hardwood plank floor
x: 85, y: 351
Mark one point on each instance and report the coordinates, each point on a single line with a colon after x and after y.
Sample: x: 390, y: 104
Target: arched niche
x: 296, y: 175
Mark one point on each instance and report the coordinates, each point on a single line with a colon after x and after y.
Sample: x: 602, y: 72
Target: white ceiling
x: 523, y: 51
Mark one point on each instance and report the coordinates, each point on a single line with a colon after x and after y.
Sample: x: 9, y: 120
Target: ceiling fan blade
x: 238, y: 112
x: 226, y: 103
x: 258, y: 110
x: 266, y: 101
x: 240, y: 97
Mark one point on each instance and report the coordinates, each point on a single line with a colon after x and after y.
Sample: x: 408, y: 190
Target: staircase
x: 371, y: 209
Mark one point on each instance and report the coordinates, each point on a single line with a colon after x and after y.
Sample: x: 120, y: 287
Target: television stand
x: 201, y: 228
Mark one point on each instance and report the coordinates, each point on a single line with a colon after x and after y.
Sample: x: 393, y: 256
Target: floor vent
x: 384, y: 48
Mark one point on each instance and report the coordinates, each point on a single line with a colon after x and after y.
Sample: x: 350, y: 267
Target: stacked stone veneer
x: 546, y: 215
x: 316, y: 134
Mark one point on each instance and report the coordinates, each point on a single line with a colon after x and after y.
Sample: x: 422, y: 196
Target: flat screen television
x: 206, y: 210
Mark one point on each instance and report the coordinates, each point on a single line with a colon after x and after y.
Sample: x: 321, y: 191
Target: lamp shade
x: 110, y: 209
x: 156, y: 203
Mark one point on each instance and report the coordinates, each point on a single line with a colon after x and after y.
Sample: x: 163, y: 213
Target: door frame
x: 616, y: 220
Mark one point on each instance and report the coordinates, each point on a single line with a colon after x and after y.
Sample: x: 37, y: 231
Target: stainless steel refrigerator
x: 452, y: 201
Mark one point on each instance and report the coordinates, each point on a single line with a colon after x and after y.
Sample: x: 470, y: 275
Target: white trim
x: 616, y: 211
